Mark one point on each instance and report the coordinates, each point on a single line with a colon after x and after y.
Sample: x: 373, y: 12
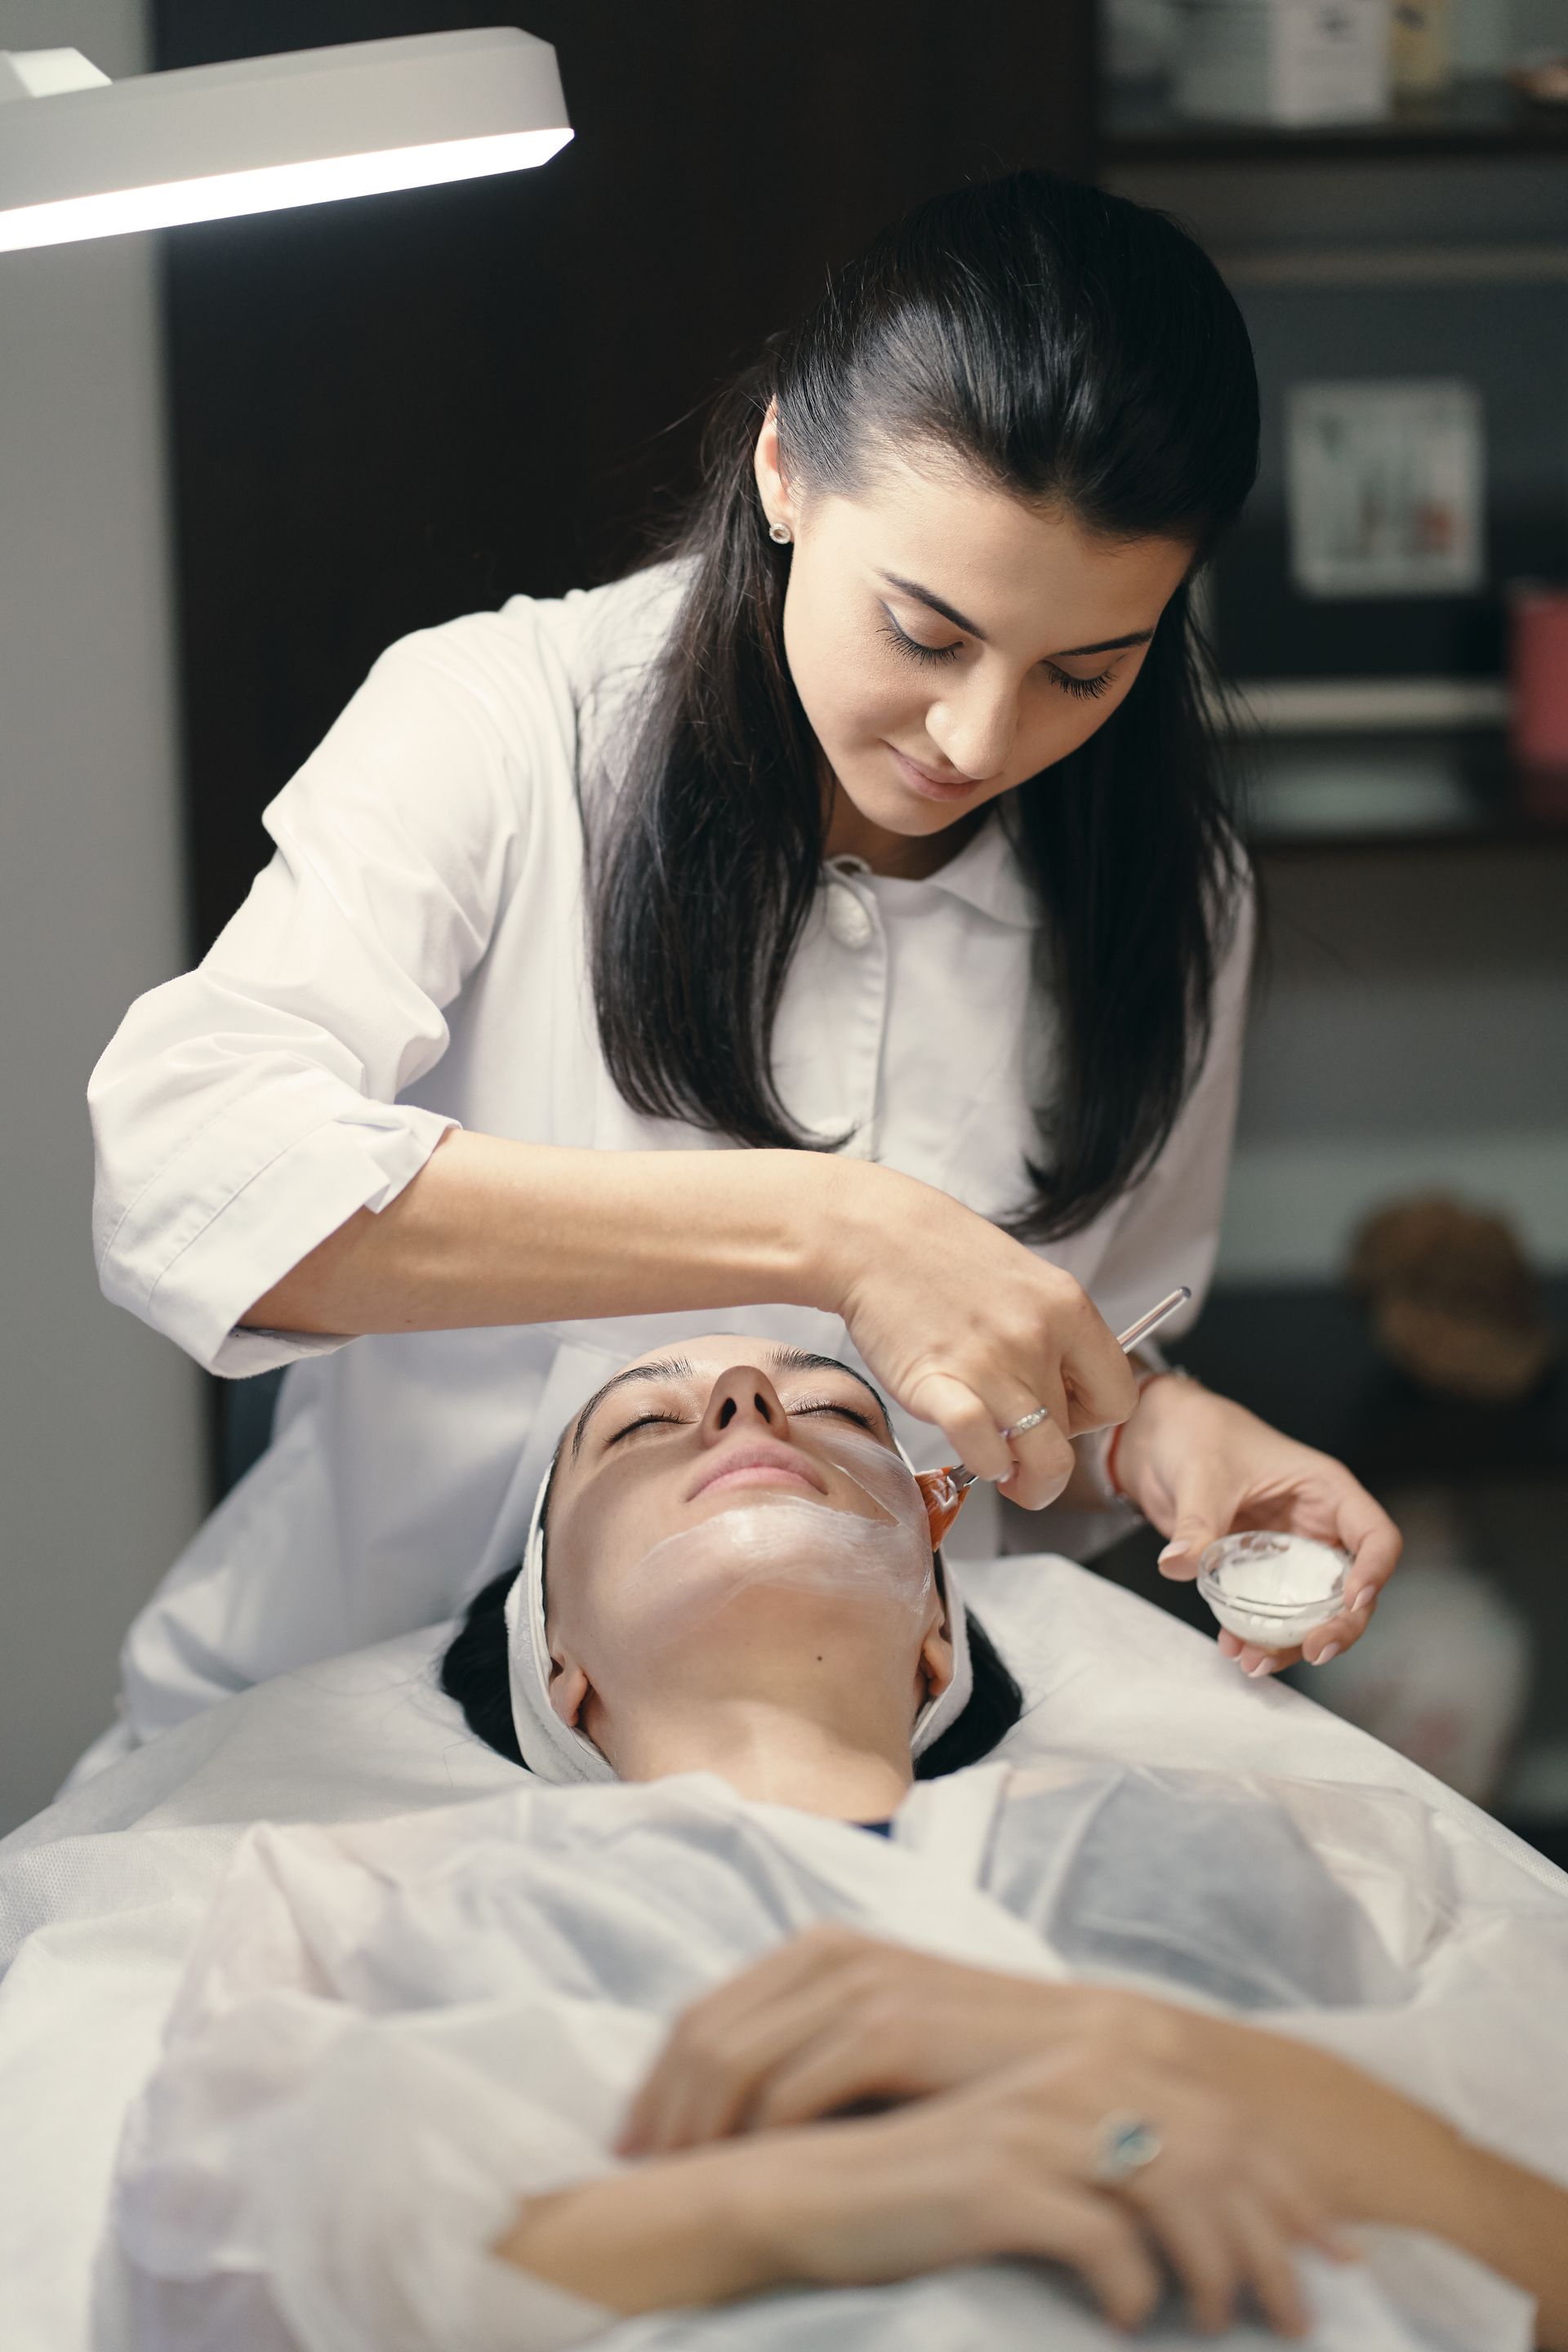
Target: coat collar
x: 986, y: 875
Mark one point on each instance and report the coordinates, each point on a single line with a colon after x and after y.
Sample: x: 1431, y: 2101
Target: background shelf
x: 1484, y: 117
x: 1388, y: 790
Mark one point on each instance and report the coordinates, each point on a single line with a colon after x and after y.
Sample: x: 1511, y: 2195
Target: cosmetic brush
x: 945, y: 1489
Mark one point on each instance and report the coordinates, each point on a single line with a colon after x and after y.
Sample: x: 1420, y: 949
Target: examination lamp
x: 83, y: 156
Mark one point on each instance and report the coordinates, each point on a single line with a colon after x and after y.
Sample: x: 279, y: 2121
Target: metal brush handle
x: 1154, y: 1317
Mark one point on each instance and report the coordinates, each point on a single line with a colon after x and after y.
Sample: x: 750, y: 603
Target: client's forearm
x: 671, y: 2233
x: 1518, y: 2224
x: 1405, y: 2166
x: 1382, y: 2157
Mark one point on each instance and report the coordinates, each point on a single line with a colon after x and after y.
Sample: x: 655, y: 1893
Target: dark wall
x: 1510, y: 341
x: 391, y: 411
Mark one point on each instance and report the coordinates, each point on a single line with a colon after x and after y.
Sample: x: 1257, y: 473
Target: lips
x: 755, y: 1460
x: 933, y: 787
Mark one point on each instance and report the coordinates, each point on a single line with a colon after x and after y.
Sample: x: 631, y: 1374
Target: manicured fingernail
x: 1364, y: 1598
x: 1173, y: 1551
x: 1264, y: 1666
x: 1332, y: 1651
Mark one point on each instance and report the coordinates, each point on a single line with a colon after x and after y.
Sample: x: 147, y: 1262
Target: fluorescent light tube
x: 209, y: 142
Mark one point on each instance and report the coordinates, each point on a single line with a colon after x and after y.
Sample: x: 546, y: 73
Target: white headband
x: 558, y: 1752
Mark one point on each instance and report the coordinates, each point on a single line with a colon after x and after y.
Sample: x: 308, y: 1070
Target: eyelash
x: 647, y: 1420
x: 895, y: 637
x: 1091, y: 687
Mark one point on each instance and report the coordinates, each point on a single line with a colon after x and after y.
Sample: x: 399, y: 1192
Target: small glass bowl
x: 1246, y: 1605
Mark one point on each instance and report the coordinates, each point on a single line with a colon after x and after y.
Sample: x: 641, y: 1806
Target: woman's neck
x: 912, y: 857
x: 773, y: 1752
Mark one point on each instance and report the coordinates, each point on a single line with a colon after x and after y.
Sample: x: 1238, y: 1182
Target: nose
x: 743, y: 1398
x: 974, y: 725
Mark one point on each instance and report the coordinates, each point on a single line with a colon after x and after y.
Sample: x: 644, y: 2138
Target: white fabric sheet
x: 106, y: 1894
x: 413, y: 957
x: 389, y: 2033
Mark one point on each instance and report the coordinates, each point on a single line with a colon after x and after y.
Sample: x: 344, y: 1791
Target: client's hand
x: 1010, y: 2081
x: 1012, y: 2166
x: 834, y: 2018
x: 1198, y: 1466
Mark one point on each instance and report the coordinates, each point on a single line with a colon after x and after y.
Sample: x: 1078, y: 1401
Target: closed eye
x: 646, y: 1421
x: 913, y: 649
x: 829, y: 1405
x: 1070, y: 685
x: 679, y: 1420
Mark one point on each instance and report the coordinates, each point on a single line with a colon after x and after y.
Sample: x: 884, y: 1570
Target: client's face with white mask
x: 739, y: 1571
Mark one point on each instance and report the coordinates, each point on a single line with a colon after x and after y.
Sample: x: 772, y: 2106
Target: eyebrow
x: 802, y: 1359
x: 668, y: 1368
x: 950, y: 612
x: 783, y: 1359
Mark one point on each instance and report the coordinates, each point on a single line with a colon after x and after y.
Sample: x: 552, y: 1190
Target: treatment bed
x: 103, y: 1895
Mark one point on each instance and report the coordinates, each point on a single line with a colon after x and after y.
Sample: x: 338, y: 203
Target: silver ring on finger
x: 1123, y: 2144
x: 1030, y: 1421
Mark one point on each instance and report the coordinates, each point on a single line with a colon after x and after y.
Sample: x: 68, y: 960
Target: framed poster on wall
x: 1385, y: 489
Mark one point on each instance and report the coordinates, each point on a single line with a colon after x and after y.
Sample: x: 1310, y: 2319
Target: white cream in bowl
x: 1272, y: 1589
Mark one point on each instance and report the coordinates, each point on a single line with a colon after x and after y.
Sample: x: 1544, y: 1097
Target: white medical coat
x: 415, y: 957
x: 390, y: 2032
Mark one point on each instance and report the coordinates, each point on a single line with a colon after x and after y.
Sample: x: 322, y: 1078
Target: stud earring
x: 779, y: 532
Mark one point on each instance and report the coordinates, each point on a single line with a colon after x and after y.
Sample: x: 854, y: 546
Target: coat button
x: 848, y: 919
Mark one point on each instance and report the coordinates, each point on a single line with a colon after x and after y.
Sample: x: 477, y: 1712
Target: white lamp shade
x: 263, y: 133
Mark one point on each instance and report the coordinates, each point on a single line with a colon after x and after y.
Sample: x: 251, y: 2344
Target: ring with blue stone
x: 1123, y: 2145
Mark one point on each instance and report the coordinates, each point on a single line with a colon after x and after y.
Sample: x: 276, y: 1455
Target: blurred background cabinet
x: 1411, y: 1029
x: 1423, y: 249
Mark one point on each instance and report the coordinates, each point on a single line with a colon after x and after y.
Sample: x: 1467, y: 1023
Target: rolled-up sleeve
x: 244, y: 1111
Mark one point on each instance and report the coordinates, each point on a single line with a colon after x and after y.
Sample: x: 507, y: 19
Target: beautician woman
x: 839, y: 919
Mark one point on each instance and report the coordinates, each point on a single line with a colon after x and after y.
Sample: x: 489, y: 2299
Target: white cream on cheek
x: 784, y: 1545
x: 771, y: 1538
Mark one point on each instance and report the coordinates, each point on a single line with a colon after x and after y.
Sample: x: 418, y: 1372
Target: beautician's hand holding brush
x: 945, y: 1489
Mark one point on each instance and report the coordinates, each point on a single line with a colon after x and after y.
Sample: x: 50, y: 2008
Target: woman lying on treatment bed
x: 421, y: 2089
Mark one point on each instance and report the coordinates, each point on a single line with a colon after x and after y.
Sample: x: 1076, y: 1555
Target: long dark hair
x: 474, y: 1672
x: 1074, y: 350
